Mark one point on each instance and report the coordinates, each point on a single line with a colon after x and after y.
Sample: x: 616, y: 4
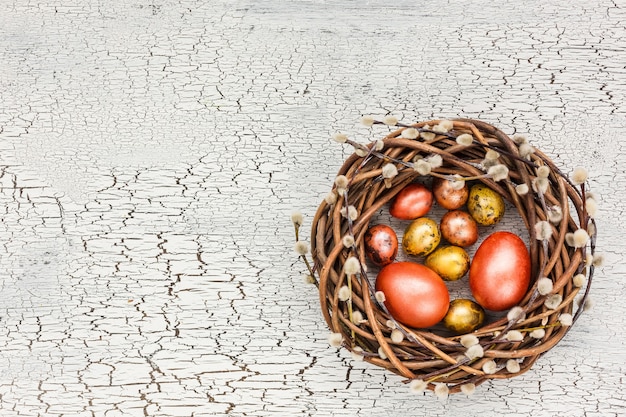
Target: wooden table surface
x: 151, y: 154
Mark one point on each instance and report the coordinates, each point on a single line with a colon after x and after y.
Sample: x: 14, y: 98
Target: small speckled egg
x: 459, y: 228
x: 421, y: 237
x: 448, y: 197
x: 485, y: 205
x: 381, y: 244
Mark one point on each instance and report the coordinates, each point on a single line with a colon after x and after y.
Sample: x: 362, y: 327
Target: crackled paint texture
x: 150, y: 155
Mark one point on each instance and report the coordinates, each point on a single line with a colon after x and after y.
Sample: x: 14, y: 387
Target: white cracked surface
x: 150, y: 155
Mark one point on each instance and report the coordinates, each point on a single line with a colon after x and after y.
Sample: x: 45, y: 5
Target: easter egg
x: 485, y: 205
x: 459, y: 228
x: 421, y: 237
x: 447, y: 196
x: 450, y: 262
x: 500, y: 271
x: 381, y: 244
x: 463, y: 316
x: 414, y: 294
x: 413, y: 201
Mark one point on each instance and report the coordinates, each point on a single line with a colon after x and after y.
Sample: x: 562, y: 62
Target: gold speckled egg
x: 485, y: 205
x: 421, y: 237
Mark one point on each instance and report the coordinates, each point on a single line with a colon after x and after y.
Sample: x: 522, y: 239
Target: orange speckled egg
x: 459, y: 228
x: 446, y: 196
x: 381, y: 244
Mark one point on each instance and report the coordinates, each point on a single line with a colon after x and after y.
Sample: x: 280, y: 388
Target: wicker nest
x: 430, y: 357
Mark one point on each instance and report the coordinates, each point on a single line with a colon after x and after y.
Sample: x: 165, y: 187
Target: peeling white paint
x: 150, y: 155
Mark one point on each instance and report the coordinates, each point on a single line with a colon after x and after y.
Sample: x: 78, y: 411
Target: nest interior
x: 425, y: 354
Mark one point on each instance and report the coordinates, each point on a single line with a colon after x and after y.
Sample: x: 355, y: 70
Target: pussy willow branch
x: 488, y: 146
x: 303, y: 257
x: 348, y: 276
x: 372, y: 152
x: 592, y: 246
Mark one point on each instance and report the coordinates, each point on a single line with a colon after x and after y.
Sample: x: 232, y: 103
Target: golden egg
x: 463, y: 316
x: 450, y: 262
